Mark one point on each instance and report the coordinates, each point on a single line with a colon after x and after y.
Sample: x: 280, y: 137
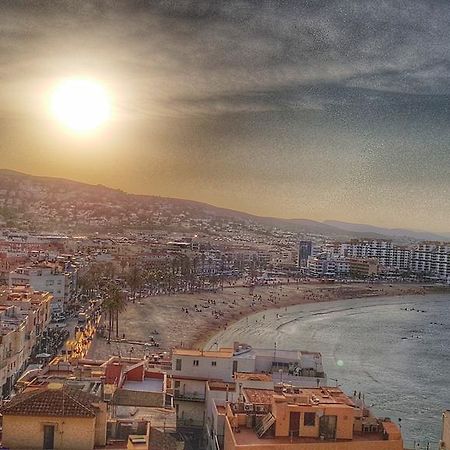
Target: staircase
x: 264, y: 425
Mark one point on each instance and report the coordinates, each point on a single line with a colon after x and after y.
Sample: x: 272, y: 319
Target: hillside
x: 393, y: 233
x: 56, y: 204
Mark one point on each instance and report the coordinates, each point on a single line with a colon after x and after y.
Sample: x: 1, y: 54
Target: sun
x: 81, y: 105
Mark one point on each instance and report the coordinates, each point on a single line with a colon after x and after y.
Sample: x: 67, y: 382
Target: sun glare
x: 81, y: 105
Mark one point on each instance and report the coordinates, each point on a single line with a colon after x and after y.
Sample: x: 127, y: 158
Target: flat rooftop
x: 243, y: 376
x: 293, y: 355
x: 222, y: 353
x: 317, y: 396
x: 148, y: 385
x: 259, y: 396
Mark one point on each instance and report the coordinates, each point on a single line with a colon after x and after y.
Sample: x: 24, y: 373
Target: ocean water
x: 395, y: 350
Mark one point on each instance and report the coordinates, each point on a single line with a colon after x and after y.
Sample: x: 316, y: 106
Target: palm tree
x: 202, y: 270
x: 134, y: 280
x: 113, y: 304
x: 194, y: 274
x: 222, y: 270
x: 121, y: 306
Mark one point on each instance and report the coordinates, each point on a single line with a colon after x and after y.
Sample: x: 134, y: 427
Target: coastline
x: 191, y: 320
x: 389, y: 347
x: 385, y: 291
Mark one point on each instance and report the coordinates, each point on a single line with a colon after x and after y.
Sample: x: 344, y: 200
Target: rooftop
x: 147, y: 385
x: 221, y: 386
x: 243, y: 376
x: 247, y: 436
x: 316, y: 396
x: 222, y: 353
x: 259, y: 396
x: 274, y: 406
x: 54, y: 400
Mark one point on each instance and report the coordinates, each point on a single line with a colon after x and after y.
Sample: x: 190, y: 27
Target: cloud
x: 343, y: 103
x: 181, y: 58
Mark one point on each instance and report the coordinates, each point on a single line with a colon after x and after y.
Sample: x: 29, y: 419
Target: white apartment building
x: 430, y: 259
x: 192, y: 369
x: 45, y: 279
x: 326, y: 266
x: 382, y: 250
x: 24, y: 315
x: 401, y: 258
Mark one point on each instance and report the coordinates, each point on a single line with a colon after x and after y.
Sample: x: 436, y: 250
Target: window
x: 177, y: 384
x: 195, y: 362
x: 214, y: 363
x: 178, y: 364
x: 309, y: 419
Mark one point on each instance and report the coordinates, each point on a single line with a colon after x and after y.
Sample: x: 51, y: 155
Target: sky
x: 298, y: 109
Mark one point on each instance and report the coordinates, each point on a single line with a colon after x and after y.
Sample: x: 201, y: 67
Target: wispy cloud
x: 215, y: 57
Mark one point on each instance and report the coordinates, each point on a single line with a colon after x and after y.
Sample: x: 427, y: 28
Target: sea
x: 394, y: 350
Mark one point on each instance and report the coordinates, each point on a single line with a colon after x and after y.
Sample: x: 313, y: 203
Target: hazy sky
x: 309, y: 109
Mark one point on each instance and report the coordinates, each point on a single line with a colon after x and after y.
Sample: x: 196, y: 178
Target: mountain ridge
x: 393, y: 232
x: 332, y: 228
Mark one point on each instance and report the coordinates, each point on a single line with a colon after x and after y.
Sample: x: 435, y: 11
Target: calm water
x: 399, y: 359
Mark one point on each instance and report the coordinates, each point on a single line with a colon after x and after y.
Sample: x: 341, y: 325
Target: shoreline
x: 191, y: 320
x: 386, y: 347
x: 203, y: 341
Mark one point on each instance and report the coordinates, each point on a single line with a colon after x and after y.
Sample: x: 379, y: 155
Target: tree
x: 113, y: 304
x: 134, y: 280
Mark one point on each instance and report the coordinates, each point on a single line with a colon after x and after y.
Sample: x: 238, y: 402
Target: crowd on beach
x: 192, y: 319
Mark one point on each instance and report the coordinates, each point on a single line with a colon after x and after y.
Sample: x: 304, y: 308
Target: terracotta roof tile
x: 62, y: 402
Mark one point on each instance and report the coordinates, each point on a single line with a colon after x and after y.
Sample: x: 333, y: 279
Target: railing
x: 306, y: 373
x: 189, y: 397
x: 218, y: 442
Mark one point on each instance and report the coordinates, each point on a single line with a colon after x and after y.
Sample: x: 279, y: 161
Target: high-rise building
x: 305, y: 249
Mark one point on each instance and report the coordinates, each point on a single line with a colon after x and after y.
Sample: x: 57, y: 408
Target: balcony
x: 189, y: 396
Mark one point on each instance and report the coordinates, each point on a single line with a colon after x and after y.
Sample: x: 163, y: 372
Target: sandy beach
x: 189, y: 320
